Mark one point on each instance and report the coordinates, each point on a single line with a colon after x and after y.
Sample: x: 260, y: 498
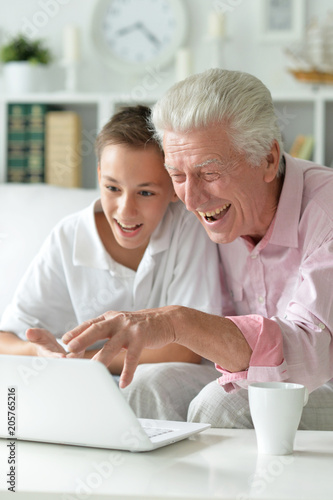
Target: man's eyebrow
x: 199, y: 165
x: 208, y: 162
x: 169, y: 166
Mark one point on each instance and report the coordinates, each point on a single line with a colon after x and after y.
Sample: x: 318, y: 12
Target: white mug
x: 276, y: 410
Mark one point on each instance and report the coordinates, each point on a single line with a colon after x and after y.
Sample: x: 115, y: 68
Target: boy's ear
x: 99, y: 173
x: 174, y: 198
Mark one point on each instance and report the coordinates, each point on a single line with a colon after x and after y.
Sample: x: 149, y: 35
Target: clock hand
x: 148, y: 34
x: 128, y: 29
x: 141, y: 27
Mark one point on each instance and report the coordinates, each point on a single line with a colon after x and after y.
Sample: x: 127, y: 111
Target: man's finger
x: 97, y: 331
x: 113, y: 347
x: 110, y: 349
x: 130, y: 364
x: 72, y: 334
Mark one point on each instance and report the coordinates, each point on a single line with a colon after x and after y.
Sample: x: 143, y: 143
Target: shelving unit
x: 308, y: 112
x: 94, y: 110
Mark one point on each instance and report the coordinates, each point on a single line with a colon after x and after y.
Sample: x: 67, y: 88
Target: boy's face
x: 135, y: 192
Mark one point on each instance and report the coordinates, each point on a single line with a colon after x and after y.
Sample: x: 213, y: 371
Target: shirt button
x: 254, y: 256
x: 261, y: 299
x: 322, y: 326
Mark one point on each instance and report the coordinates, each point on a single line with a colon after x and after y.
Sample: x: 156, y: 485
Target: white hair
x: 239, y: 101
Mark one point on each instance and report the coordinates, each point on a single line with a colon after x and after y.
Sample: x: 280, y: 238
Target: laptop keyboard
x: 156, y: 431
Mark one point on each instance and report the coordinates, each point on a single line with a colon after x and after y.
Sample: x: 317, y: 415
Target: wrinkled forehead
x: 199, y: 149
x: 211, y: 161
x: 208, y: 139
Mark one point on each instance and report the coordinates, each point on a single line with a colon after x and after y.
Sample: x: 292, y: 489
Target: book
x: 296, y: 146
x: 306, y: 150
x: 63, y: 163
x: 302, y: 147
x: 25, y: 142
x: 17, y: 142
x: 35, y: 142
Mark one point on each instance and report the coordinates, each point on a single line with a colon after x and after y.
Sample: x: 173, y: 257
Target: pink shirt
x: 280, y: 291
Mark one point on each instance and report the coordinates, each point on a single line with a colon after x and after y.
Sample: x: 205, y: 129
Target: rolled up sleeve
x: 265, y: 338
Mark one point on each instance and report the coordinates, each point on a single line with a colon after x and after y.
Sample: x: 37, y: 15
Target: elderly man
x: 272, y: 217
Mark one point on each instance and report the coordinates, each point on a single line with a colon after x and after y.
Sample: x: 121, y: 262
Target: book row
x: 43, y: 145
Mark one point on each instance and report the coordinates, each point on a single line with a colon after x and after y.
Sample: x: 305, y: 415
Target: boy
x: 129, y: 250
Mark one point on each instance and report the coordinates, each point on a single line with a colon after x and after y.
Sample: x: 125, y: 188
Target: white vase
x: 22, y: 77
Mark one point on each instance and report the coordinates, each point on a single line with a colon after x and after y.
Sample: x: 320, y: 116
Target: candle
x: 71, y: 46
x: 216, y: 24
x: 183, y: 63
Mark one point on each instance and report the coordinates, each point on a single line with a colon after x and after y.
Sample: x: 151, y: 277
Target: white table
x: 218, y: 463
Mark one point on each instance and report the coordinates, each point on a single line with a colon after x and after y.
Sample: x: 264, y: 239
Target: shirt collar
x: 88, y: 249
x: 286, y: 220
x: 161, y: 237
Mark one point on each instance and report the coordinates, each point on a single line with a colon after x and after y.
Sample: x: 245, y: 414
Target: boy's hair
x: 130, y: 126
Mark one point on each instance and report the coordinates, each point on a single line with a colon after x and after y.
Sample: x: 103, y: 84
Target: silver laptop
x: 76, y: 402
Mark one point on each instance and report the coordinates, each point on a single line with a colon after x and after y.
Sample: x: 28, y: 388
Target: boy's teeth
x: 126, y: 226
x: 214, y: 212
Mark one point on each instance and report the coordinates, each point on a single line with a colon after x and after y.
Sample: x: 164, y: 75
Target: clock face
x: 132, y: 34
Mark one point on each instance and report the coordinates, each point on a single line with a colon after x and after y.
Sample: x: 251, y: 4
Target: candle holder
x: 183, y: 64
x: 216, y: 52
x: 71, y: 56
x: 216, y: 39
x: 71, y: 80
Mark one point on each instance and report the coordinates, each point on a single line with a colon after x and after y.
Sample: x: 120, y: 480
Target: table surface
x: 217, y: 463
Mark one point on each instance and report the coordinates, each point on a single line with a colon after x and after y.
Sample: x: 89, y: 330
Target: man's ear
x: 273, y: 160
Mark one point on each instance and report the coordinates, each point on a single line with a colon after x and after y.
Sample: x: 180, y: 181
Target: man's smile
x: 216, y: 214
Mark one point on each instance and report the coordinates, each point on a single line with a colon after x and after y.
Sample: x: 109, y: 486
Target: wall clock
x: 132, y: 35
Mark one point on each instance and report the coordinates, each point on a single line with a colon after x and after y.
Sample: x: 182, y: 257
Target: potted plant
x: 22, y: 57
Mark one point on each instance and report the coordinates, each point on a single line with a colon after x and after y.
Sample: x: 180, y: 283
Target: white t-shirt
x: 73, y: 278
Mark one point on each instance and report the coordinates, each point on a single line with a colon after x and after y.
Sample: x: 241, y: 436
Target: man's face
x: 230, y: 197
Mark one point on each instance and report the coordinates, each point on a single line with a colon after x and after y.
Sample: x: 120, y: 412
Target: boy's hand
x: 46, y: 344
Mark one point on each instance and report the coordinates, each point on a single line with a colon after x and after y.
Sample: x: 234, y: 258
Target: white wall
x: 242, y: 50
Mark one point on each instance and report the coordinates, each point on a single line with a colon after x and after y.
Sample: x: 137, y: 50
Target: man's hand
x: 46, y: 344
x: 213, y: 337
x: 130, y: 331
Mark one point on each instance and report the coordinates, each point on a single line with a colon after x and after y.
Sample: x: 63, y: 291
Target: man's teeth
x: 214, y: 212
